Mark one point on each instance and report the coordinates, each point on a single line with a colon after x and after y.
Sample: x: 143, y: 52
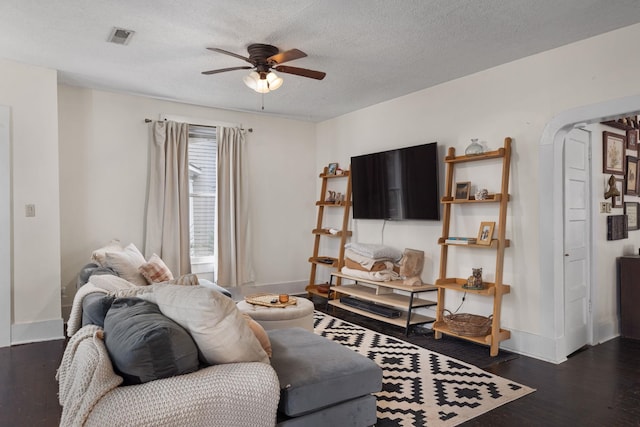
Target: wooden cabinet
x: 629, y: 271
x: 386, y: 294
x: 333, y: 261
x: 494, y: 290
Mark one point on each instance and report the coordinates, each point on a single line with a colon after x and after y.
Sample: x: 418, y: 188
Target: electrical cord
x: 464, y: 296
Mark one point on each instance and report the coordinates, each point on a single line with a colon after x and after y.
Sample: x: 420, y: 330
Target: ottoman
x: 322, y: 383
x: 300, y: 314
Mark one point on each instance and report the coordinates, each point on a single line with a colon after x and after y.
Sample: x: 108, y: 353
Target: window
x: 202, y: 193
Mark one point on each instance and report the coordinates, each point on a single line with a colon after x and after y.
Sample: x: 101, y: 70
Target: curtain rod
x: 249, y: 130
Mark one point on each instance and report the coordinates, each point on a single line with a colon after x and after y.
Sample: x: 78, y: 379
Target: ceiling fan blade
x: 285, y: 56
x: 318, y: 75
x: 222, y: 70
x: 226, y: 52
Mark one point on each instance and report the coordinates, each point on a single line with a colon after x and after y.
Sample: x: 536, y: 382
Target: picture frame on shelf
x: 631, y: 212
x: 613, y: 153
x: 332, y: 168
x: 631, y: 183
x: 632, y: 139
x: 618, y: 201
x: 462, y: 190
x: 485, y: 233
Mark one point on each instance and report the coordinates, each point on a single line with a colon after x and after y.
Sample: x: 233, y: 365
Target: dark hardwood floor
x: 28, y: 388
x: 599, y: 386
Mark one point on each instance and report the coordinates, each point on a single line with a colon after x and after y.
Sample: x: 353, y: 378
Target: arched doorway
x: 551, y: 209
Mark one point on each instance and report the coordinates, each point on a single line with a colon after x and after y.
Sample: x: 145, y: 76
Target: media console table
x: 393, y: 293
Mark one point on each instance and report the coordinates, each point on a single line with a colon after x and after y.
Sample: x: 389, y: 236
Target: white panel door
x: 5, y: 230
x: 577, y: 241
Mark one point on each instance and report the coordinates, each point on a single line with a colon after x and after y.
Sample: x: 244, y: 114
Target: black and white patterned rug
x: 421, y: 387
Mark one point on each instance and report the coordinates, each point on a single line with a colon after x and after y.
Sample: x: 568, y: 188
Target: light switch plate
x: 29, y: 210
x: 605, y: 207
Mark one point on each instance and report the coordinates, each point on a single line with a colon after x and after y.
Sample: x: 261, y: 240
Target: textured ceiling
x: 371, y: 50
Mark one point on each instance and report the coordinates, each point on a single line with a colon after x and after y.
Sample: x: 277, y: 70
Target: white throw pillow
x: 212, y: 319
x: 99, y: 256
x: 126, y: 264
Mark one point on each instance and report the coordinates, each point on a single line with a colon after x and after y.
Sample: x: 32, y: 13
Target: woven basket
x: 468, y: 325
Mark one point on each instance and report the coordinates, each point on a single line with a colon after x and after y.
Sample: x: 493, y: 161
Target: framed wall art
x: 631, y: 211
x: 632, y: 139
x: 617, y: 227
x: 613, y: 153
x: 632, y: 176
x: 618, y: 200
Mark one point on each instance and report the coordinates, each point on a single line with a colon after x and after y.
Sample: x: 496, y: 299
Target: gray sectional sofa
x: 308, y: 380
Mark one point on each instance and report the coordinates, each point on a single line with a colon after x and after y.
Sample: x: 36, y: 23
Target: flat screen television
x: 400, y: 184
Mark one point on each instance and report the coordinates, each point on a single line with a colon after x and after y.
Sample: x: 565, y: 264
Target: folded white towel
x: 375, y: 252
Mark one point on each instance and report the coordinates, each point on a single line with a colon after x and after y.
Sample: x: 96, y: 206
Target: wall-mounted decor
x: 613, y: 153
x: 618, y: 200
x: 624, y: 123
x: 612, y: 191
x: 631, y: 211
x: 617, y: 227
x: 632, y: 176
x: 462, y: 190
x: 632, y: 139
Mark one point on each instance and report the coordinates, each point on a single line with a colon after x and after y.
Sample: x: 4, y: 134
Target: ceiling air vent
x: 120, y: 36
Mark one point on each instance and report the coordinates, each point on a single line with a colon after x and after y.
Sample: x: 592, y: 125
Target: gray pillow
x: 85, y: 273
x: 95, y: 307
x: 145, y: 345
x: 92, y: 269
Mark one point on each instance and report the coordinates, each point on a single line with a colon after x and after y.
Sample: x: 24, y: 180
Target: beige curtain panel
x: 167, y: 224
x: 234, y: 265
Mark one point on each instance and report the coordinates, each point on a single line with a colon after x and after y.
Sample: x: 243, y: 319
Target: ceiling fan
x: 264, y: 59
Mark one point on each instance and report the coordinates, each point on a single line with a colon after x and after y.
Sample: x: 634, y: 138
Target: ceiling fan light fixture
x: 262, y: 83
x: 274, y: 81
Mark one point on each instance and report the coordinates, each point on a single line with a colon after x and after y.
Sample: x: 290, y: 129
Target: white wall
x: 103, y: 180
x: 516, y: 99
x: 5, y: 227
x: 103, y: 160
x: 31, y: 94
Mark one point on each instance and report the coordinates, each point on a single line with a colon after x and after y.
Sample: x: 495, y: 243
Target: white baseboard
x: 604, y: 331
x: 47, y: 330
x: 532, y: 345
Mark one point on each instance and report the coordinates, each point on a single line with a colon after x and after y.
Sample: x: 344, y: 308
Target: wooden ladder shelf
x: 316, y: 259
x: 491, y: 290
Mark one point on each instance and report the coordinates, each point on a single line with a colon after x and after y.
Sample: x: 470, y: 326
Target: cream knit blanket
x: 85, y: 375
